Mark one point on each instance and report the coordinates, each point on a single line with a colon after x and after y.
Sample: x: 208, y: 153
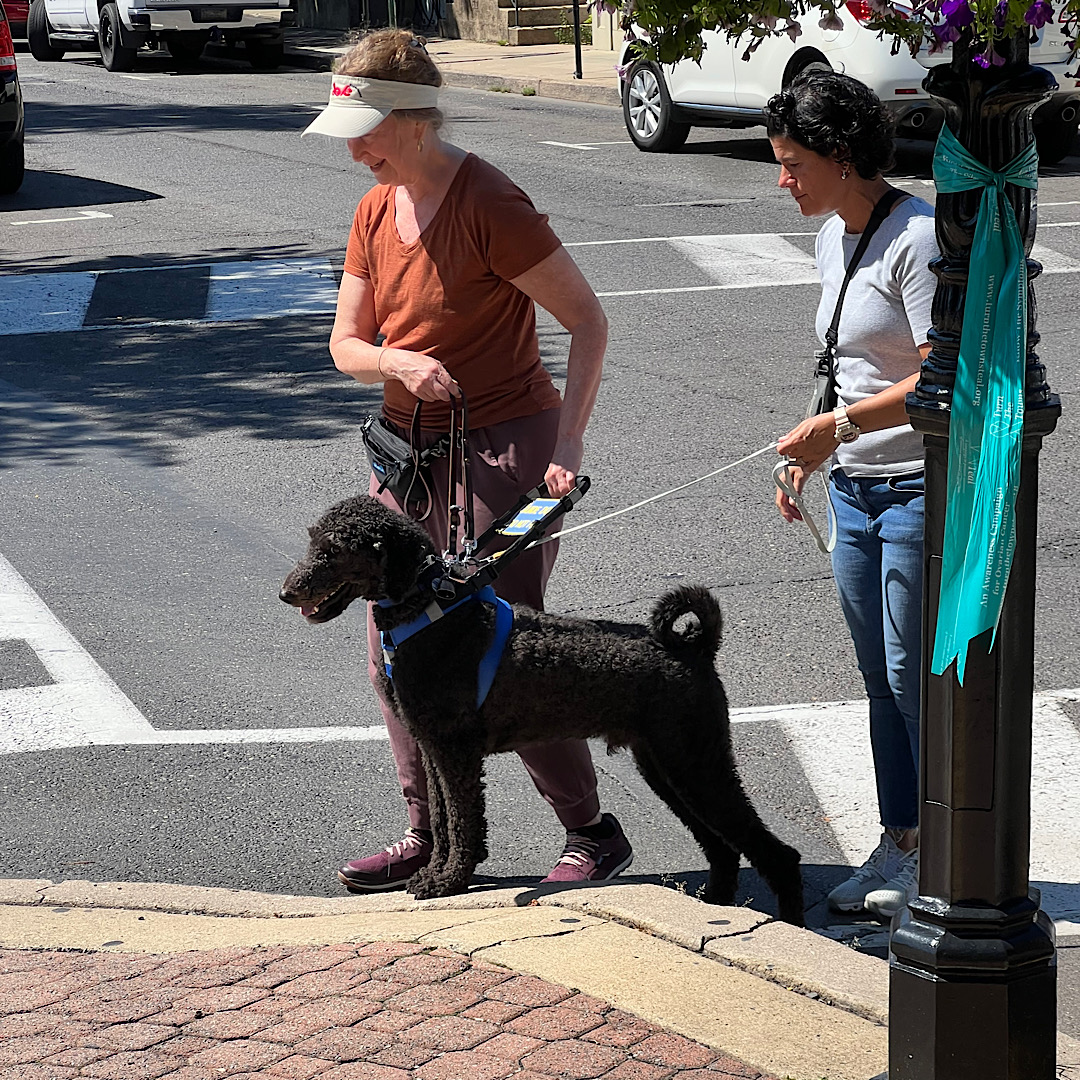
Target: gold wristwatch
x: 846, y: 431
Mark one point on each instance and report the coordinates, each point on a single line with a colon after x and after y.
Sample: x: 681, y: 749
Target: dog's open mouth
x: 329, y: 607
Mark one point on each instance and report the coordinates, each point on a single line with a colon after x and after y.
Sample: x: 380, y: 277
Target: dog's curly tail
x: 701, y: 640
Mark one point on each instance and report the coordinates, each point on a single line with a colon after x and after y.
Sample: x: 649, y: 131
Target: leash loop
x: 782, y: 475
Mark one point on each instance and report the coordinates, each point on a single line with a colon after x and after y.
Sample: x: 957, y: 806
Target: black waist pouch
x: 399, y: 468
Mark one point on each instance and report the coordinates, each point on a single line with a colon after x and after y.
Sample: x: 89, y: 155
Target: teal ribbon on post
x: 987, y: 422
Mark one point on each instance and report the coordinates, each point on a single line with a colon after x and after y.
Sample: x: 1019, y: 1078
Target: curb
x: 313, y: 59
x: 784, y: 998
x: 799, y: 960
x: 688, y: 967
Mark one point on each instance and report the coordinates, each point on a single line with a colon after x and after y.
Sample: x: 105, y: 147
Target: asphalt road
x: 157, y: 472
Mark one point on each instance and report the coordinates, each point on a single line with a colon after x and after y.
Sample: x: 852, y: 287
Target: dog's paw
x: 425, y: 885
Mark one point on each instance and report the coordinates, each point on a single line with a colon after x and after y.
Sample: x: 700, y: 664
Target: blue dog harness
x: 489, y: 663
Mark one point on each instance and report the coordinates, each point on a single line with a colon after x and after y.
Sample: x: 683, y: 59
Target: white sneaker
x: 899, y: 890
x: 874, y: 874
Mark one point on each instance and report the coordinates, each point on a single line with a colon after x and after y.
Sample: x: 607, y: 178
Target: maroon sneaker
x: 590, y: 858
x: 391, y: 867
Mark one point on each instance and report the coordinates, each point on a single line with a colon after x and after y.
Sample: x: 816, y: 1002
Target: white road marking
x: 568, y: 145
x: 82, y: 215
x: 748, y: 260
x: 247, y: 290
x: 670, y: 239
x: 1054, y: 262
x: 1058, y: 224
x: 1055, y: 765
x: 84, y: 707
x: 831, y: 741
x: 40, y: 303
x: 259, y: 289
x: 695, y: 202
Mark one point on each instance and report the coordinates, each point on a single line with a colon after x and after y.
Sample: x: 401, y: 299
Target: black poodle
x: 653, y: 690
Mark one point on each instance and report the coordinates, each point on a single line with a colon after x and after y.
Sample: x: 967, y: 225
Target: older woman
x: 445, y: 259
x: 833, y: 138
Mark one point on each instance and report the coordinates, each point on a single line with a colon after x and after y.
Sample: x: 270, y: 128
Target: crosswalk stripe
x: 247, y: 290
x: 43, y: 303
x: 236, y: 291
x: 748, y: 260
x: 831, y: 741
x: 267, y: 289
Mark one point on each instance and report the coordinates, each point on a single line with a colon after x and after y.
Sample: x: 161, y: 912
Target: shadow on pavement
x: 54, y: 191
x: 53, y: 118
x: 142, y: 393
x: 41, y: 263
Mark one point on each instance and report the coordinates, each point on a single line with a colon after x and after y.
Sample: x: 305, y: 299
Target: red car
x: 17, y: 12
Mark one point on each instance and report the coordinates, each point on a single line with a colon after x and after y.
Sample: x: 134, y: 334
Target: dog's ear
x: 402, y: 554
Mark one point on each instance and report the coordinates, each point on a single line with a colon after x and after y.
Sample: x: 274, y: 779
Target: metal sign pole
x: 577, y: 39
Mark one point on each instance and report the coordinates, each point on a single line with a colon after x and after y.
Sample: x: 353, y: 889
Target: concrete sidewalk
x: 546, y: 70
x: 621, y: 982
x: 625, y: 982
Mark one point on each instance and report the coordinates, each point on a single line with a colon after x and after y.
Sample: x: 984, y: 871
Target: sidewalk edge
x: 794, y: 958
x: 319, y: 59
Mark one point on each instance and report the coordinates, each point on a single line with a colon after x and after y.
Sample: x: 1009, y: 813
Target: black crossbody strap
x: 879, y: 214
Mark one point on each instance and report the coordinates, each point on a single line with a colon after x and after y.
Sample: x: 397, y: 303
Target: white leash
x: 654, y: 498
x: 782, y: 475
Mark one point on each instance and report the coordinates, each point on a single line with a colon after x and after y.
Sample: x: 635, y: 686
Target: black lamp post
x: 973, y: 973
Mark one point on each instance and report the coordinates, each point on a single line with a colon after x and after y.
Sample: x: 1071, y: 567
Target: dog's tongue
x: 307, y: 609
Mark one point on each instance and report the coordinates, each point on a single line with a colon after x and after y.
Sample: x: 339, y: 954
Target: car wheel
x: 1055, y: 138
x: 115, y: 55
x: 12, y: 166
x: 265, y: 55
x: 37, y: 33
x: 186, y: 49
x: 647, y: 110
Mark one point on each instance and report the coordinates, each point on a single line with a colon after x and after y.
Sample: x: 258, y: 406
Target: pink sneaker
x: 587, y: 859
x: 391, y: 867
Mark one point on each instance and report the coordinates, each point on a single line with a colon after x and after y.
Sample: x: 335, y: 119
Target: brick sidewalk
x: 385, y: 1011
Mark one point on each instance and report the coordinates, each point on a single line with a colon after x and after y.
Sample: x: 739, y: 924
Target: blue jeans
x: 878, y: 569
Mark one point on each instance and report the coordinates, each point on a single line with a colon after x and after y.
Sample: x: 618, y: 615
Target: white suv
x: 119, y: 28
x: 662, y: 104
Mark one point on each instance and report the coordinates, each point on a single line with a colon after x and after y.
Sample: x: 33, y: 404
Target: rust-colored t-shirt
x: 448, y: 295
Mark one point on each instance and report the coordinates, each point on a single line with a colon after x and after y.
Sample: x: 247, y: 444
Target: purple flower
x: 832, y: 21
x: 793, y: 29
x: 957, y: 13
x: 622, y: 70
x: 944, y: 34
x: 985, y: 59
x: 1039, y: 14
x: 1000, y: 12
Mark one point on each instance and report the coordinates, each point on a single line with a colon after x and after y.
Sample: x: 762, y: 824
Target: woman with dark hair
x: 833, y: 139
x: 445, y: 259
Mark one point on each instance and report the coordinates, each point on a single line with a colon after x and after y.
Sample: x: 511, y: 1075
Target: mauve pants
x: 507, y: 460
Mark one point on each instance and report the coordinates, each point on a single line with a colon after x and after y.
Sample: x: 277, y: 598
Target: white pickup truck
x: 119, y: 28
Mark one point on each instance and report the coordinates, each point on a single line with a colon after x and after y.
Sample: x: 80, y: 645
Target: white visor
x: 358, y: 106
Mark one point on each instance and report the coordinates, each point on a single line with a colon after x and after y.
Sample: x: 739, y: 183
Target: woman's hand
x: 810, y: 444
x: 423, y: 376
x: 561, y: 475
x: 784, y: 503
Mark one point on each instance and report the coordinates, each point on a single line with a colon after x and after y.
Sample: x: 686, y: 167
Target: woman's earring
x: 844, y: 173
x: 419, y: 146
